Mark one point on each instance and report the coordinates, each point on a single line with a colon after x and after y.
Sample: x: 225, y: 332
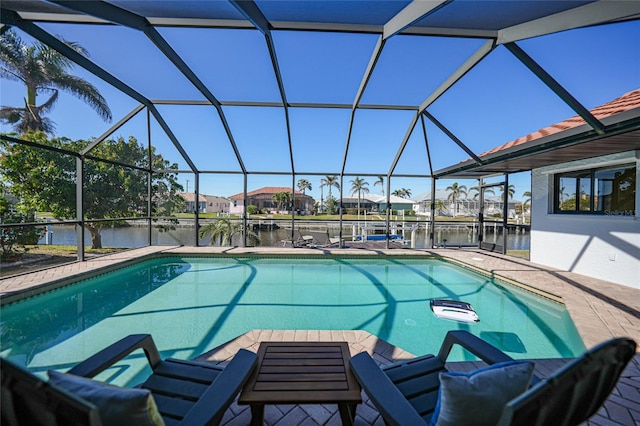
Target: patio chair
x: 298, y: 239
x: 411, y: 392
x: 322, y: 239
x: 184, y: 392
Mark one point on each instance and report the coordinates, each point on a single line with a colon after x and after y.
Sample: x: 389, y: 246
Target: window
x: 604, y: 191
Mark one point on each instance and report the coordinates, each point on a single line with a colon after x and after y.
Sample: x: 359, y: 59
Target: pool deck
x: 599, y: 309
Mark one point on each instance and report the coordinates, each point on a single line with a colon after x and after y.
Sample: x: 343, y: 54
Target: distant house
x: 463, y: 206
x: 377, y: 203
x: 206, y: 203
x: 263, y: 199
x: 190, y: 202
x: 215, y: 204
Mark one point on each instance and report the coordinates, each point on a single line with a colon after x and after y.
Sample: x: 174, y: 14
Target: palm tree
x: 476, y: 189
x: 402, y: 193
x: 527, y: 198
x: 527, y: 201
x: 330, y: 181
x: 42, y: 70
x: 456, y: 191
x: 303, y: 185
x: 223, y: 231
x: 380, y: 182
x: 510, y: 191
x: 360, y: 186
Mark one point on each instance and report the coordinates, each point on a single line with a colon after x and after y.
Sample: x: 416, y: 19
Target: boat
x: 454, y: 310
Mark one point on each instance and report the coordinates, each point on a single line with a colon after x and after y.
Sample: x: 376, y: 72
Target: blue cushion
x: 117, y: 406
x: 478, y: 397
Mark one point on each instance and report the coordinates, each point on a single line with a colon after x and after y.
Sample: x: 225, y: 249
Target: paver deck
x: 599, y: 309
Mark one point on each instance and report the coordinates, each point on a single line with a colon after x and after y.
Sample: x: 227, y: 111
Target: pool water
x: 193, y: 304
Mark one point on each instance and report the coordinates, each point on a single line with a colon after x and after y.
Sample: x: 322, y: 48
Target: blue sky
x: 498, y: 101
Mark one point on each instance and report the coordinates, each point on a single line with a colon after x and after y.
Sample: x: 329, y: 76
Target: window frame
x: 589, y: 173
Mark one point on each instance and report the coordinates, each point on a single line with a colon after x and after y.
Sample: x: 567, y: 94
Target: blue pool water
x: 191, y: 305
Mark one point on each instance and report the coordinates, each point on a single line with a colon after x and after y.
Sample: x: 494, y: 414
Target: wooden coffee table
x: 302, y: 373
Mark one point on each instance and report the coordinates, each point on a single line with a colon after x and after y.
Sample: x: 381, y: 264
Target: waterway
x: 138, y: 236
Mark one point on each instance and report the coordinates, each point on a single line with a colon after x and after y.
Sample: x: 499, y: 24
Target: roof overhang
x: 622, y: 133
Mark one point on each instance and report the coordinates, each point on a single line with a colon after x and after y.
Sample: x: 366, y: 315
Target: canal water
x: 134, y: 236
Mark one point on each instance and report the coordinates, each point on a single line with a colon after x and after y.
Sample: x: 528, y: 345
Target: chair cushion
x: 117, y: 406
x: 478, y: 397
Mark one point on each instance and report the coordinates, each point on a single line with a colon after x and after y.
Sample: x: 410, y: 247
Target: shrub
x: 13, y: 239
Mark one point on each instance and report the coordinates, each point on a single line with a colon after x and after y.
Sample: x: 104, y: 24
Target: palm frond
x: 85, y: 91
x: 48, y: 105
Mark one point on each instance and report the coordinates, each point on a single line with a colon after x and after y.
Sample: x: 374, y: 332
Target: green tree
x: 281, y: 199
x: 331, y: 204
x: 380, y: 181
x: 45, y: 180
x: 13, y: 239
x: 456, y: 192
x: 359, y: 186
x: 223, y: 231
x: 43, y: 71
x: 303, y: 185
x: 330, y: 181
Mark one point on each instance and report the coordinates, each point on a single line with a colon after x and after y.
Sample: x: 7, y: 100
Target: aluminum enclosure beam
x: 125, y: 18
x: 112, y: 129
x: 453, y: 137
x: 556, y: 87
x: 415, y: 11
x: 471, y: 62
x: 596, y: 13
x: 255, y: 15
x: 276, y: 25
x: 412, y: 13
x: 405, y: 140
x: 268, y: 104
x: 377, y: 51
x: 426, y: 142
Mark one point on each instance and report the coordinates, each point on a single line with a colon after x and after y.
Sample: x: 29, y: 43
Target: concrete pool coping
x: 599, y: 309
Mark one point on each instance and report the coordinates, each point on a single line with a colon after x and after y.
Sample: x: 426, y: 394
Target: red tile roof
x: 626, y: 102
x: 266, y: 190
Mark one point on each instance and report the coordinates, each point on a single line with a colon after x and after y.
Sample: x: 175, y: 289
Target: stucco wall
x: 604, y: 247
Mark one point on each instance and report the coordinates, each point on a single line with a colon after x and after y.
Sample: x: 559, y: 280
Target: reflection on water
x: 78, y: 307
x: 185, y: 235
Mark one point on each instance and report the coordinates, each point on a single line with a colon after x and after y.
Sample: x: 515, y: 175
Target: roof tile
x: 626, y: 102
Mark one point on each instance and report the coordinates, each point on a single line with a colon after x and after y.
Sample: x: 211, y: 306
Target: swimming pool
x: 193, y: 304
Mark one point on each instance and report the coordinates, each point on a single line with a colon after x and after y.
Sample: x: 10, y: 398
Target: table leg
x: 347, y: 413
x: 257, y: 414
